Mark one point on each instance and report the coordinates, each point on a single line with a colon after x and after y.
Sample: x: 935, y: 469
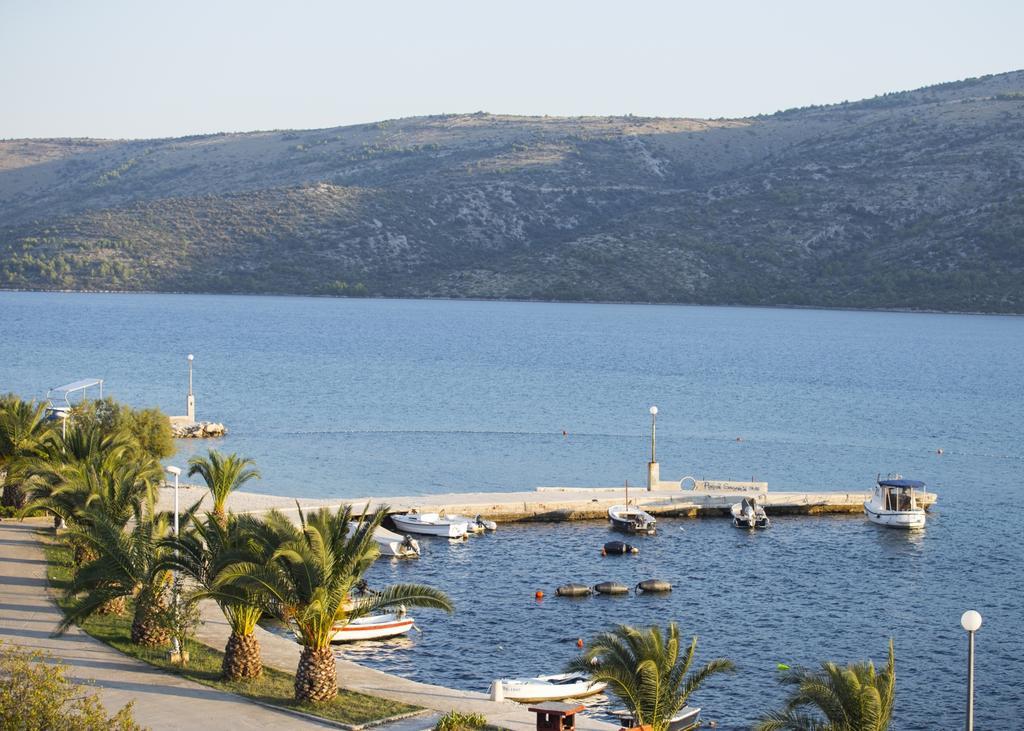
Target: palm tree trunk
x: 316, y: 680
x: 116, y: 606
x: 242, y: 659
x: 220, y: 516
x: 146, y: 630
x: 13, y: 497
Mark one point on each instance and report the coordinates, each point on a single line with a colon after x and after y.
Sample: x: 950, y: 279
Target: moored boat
x: 392, y: 544
x: 893, y: 503
x: 479, y: 524
x: 749, y: 514
x: 430, y: 524
x: 548, y: 687
x: 686, y: 719
x: 632, y: 519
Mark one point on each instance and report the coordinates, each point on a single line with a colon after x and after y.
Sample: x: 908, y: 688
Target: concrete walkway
x: 162, y: 701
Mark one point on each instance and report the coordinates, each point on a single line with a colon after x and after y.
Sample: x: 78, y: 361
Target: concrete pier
x: 553, y: 504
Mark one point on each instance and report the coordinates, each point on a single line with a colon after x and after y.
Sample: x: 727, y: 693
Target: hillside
x: 912, y: 199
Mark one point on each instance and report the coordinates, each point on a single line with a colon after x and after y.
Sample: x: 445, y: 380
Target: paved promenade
x: 165, y: 702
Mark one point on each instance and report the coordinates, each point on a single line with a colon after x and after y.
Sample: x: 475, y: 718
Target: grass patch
x: 274, y: 687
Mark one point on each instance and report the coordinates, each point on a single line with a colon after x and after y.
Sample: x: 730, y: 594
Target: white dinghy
x: 548, y: 687
x: 479, y: 524
x: 688, y: 718
x: 748, y: 514
x: 894, y: 504
x: 392, y: 544
x: 370, y: 627
x: 430, y: 524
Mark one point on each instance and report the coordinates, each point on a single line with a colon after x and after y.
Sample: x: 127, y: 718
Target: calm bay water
x: 348, y: 398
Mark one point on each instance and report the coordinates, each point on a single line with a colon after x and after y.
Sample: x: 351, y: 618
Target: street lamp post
x: 190, y: 406
x: 654, y: 431
x: 653, y: 470
x: 176, y: 471
x: 970, y: 621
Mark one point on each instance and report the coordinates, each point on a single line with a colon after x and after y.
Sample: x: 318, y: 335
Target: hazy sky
x: 154, y: 69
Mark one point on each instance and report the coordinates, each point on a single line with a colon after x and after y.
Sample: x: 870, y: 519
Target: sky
x: 149, y: 68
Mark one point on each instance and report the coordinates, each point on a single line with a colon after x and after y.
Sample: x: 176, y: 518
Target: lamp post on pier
x: 970, y: 621
x: 653, y: 469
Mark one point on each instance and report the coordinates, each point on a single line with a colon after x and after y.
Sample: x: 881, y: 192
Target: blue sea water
x: 349, y: 398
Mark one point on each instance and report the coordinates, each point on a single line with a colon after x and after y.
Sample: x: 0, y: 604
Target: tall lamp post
x: 653, y: 470
x: 970, y: 621
x: 176, y: 471
x: 190, y: 406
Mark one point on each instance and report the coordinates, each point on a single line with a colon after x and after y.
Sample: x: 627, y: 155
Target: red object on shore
x: 555, y: 716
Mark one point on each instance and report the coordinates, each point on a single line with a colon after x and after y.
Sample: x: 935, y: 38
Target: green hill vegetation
x: 908, y: 200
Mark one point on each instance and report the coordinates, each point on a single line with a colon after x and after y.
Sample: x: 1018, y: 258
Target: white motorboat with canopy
x: 58, y: 398
x: 430, y: 524
x: 632, y: 519
x: 894, y: 504
x: 548, y: 687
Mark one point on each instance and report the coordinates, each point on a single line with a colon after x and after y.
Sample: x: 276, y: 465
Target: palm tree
x: 647, y: 670
x: 203, y: 553
x: 23, y: 431
x: 851, y: 698
x: 223, y: 474
x: 308, y: 584
x: 129, y: 563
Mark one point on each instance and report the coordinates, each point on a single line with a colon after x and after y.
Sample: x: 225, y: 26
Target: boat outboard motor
x: 654, y: 585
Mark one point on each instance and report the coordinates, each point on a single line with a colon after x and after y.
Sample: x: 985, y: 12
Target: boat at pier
x: 479, y: 524
x: 632, y: 520
x: 548, y: 687
x: 748, y: 514
x: 430, y: 524
x: 686, y: 719
x: 894, y: 504
x: 392, y: 544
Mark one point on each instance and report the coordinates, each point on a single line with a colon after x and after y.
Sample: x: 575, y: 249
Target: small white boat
x: 391, y: 543
x: 548, y: 687
x: 632, y: 520
x: 688, y: 718
x: 479, y: 524
x: 374, y: 627
x: 430, y: 524
x: 894, y: 504
x: 748, y: 514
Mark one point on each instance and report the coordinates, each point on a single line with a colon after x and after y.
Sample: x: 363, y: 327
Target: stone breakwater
x: 198, y: 430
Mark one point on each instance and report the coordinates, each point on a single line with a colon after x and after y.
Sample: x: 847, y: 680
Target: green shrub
x: 456, y: 721
x: 35, y: 695
x: 150, y: 427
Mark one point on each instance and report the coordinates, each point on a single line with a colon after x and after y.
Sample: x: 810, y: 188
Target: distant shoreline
x: 902, y: 311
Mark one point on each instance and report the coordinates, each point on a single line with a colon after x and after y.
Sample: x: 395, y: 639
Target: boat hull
x: 543, y: 688
x: 377, y: 627
x: 444, y: 529
x: 904, y: 519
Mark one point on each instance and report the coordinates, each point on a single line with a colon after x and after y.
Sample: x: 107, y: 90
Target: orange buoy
x: 579, y: 643
x: 539, y: 595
